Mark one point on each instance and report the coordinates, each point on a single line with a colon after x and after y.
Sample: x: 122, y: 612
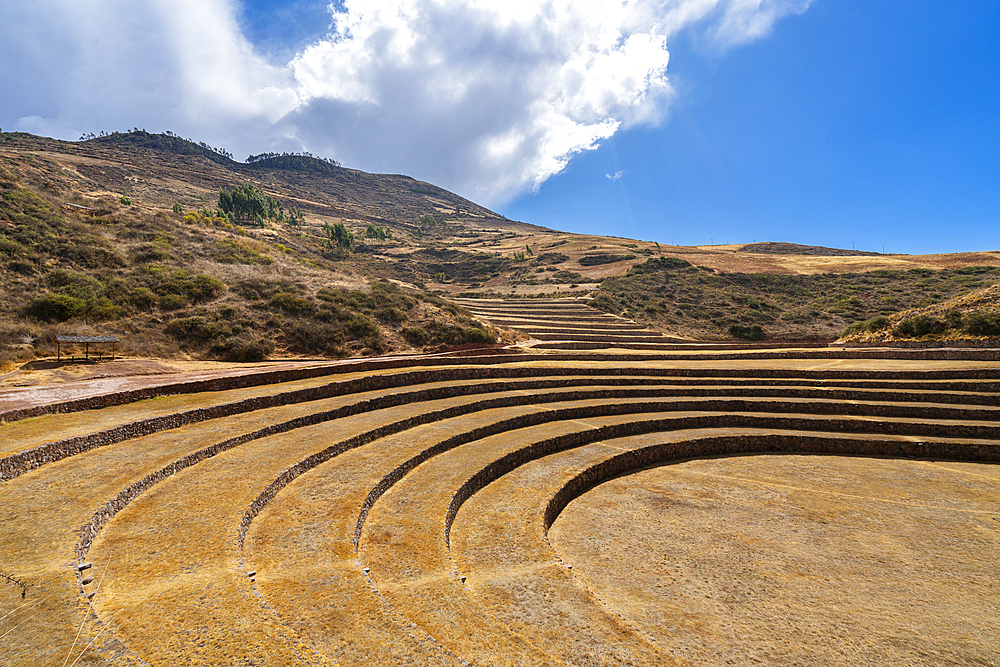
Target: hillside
x: 122, y: 234
x: 970, y: 318
x: 670, y: 294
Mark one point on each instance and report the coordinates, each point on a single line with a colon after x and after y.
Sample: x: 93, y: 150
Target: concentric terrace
x: 605, y: 495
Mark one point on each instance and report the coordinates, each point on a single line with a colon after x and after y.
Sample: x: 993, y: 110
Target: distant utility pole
x: 883, y: 248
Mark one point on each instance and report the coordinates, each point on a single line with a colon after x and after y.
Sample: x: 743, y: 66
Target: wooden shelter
x: 87, y: 341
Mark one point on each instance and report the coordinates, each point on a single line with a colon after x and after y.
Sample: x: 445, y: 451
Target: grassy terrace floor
x: 430, y: 514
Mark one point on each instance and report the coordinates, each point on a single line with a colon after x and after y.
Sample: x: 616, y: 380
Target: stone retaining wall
x: 970, y: 451
x: 17, y: 464
x: 773, y: 443
x: 927, y: 344
x: 278, y: 377
x: 898, y: 448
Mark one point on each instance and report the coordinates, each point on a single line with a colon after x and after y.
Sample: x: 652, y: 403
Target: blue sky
x: 875, y: 124
x: 832, y: 122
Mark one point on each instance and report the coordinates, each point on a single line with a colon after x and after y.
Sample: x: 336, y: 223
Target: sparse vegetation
x: 338, y: 238
x: 673, y: 294
x: 603, y: 258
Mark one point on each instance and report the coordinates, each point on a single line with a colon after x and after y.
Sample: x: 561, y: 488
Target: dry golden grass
x: 27, y: 433
x: 175, y: 591
x: 178, y: 542
x: 307, y: 567
x: 498, y: 543
x: 798, y: 560
x: 43, y: 509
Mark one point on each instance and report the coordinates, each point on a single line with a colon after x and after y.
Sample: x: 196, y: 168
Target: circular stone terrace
x: 606, y: 495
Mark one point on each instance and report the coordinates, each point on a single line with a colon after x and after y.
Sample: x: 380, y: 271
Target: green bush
x: 415, y: 336
x: 103, y: 310
x: 142, y: 298
x: 362, y: 327
x: 171, y: 302
x: 921, y: 325
x: 78, y: 285
x: 390, y: 315
x: 243, y: 349
x: 58, y: 307
x: 199, y: 329
x: 566, y: 276
x: 10, y: 248
x: 659, y: 264
x: 754, y: 332
x: 953, y: 318
x: 477, y: 335
x: 311, y: 337
x: 262, y: 288
x: 185, y: 287
x: 291, y: 304
x: 982, y: 324
x: 604, y: 258
x: 152, y: 252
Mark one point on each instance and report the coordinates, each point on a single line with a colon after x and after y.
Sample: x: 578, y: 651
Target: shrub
x: 659, y: 264
x: 240, y: 251
x: 290, y: 304
x: 603, y: 303
x: 171, y: 302
x: 566, y: 276
x: 10, y: 248
x: 362, y: 327
x: 754, y: 332
x: 261, y: 288
x: 142, y: 297
x: 390, y: 315
x: 157, y: 251
x: 58, y: 307
x: 918, y: 326
x: 548, y: 258
x: 415, y: 336
x: 982, y: 324
x: 125, y: 200
x: 70, y: 283
x: 311, y: 337
x: 243, y: 349
x: 604, y: 258
x: 103, y: 310
x: 477, y: 335
x: 185, y: 287
x: 198, y: 328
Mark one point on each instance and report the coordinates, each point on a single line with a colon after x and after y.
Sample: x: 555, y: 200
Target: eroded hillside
x: 124, y: 234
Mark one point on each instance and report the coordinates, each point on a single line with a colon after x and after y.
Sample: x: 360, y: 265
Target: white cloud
x: 162, y: 64
x: 487, y: 98
x: 747, y: 20
x: 615, y: 176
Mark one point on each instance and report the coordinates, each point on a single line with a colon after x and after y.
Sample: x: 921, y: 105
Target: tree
x: 295, y: 216
x: 247, y: 204
x: 339, y: 238
x: 378, y: 233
